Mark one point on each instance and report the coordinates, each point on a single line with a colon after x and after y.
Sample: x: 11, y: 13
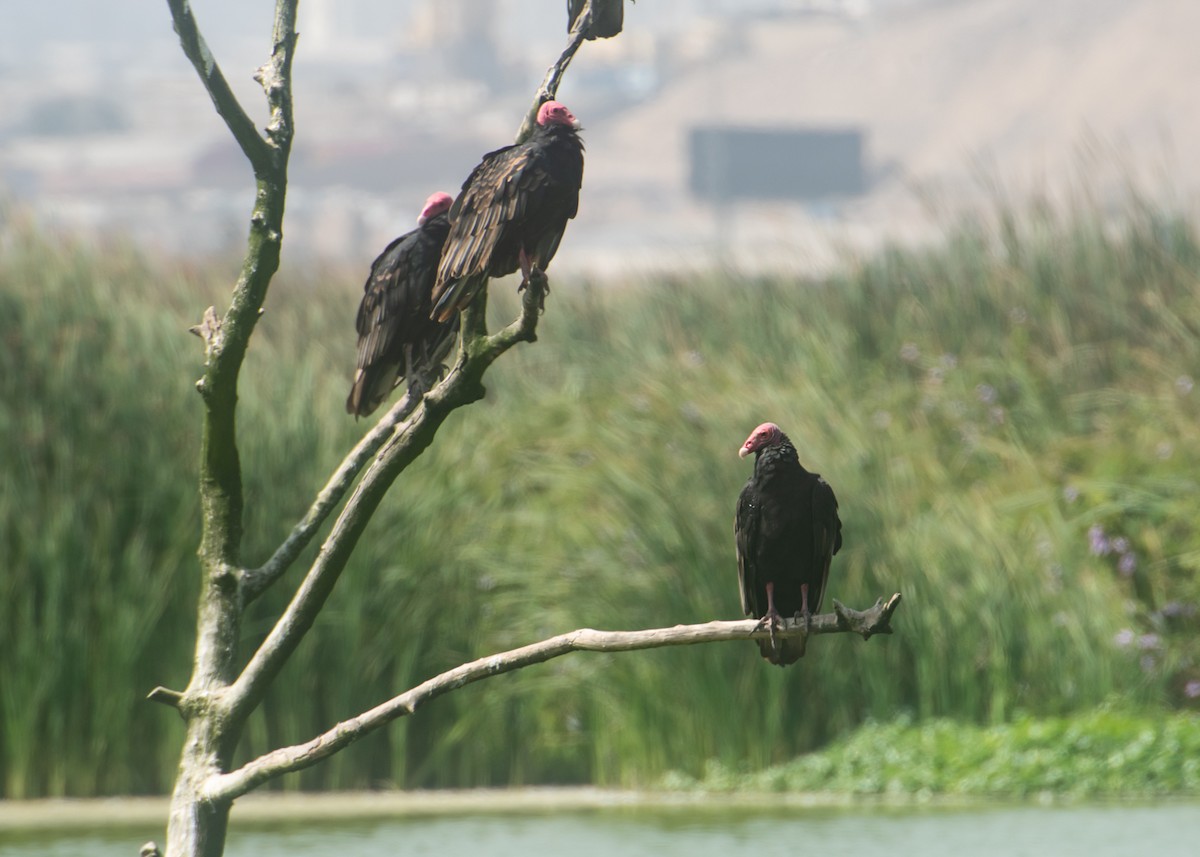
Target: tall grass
x: 977, y: 408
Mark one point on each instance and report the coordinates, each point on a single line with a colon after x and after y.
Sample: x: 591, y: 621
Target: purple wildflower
x: 1124, y: 638
x: 986, y: 393
x: 1149, y: 642
x: 1098, y: 541
x: 1127, y: 564
x: 1177, y: 609
x: 1070, y: 493
x: 1192, y: 689
x: 1120, y: 544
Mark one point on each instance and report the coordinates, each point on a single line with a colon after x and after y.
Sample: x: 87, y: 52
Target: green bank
x: 1009, y: 421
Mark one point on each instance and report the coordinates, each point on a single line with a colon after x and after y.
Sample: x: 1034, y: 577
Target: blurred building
x: 909, y: 106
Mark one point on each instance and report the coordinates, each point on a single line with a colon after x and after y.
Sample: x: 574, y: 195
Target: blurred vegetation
x: 1009, y: 421
x: 1102, y: 753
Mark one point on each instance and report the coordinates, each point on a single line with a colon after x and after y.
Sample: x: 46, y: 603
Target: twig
x: 209, y: 330
x: 166, y: 696
x: 874, y: 620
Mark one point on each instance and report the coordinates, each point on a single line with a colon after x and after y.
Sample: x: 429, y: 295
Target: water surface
x: 1169, y: 830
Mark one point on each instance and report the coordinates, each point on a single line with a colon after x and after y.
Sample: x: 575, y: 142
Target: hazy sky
x: 30, y: 25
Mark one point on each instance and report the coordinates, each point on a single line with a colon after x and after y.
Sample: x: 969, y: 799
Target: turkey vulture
x: 787, y: 531
x: 396, y: 337
x: 512, y: 211
x: 608, y: 16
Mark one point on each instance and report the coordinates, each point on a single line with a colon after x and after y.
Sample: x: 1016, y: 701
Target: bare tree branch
x: 408, y: 440
x: 221, y: 787
x: 554, y: 75
x: 196, y: 49
x: 195, y: 827
x: 259, y: 579
x: 227, y: 338
x: 522, y: 329
x: 275, y: 76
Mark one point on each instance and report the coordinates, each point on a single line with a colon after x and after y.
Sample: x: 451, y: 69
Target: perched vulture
x: 787, y: 531
x: 396, y: 337
x: 512, y: 211
x: 608, y: 16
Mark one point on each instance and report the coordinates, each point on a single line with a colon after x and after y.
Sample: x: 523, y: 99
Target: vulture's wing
x: 486, y: 204
x: 746, y: 526
x: 393, y: 323
x: 509, y: 200
x: 382, y: 318
x: 827, y: 534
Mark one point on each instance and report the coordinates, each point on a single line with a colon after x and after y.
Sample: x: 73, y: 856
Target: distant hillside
x: 955, y: 96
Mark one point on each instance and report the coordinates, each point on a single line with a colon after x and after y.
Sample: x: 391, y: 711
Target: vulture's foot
x: 771, y: 621
x: 539, y: 284
x: 804, y: 611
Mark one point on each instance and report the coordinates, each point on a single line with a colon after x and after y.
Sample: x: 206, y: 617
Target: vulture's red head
x: 435, y: 205
x: 556, y: 113
x: 763, y: 437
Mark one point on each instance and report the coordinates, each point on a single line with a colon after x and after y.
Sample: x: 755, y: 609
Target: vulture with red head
x: 787, y: 530
x: 512, y: 211
x: 397, y: 339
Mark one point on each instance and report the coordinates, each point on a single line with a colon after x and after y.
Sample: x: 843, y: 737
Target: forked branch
x: 220, y: 787
x: 463, y: 385
x: 327, y: 499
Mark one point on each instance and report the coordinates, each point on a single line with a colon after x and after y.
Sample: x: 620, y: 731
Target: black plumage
x: 608, y: 16
x: 787, y: 530
x: 397, y: 339
x: 512, y: 211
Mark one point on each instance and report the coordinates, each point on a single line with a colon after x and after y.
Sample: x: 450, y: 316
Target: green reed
x: 977, y: 407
